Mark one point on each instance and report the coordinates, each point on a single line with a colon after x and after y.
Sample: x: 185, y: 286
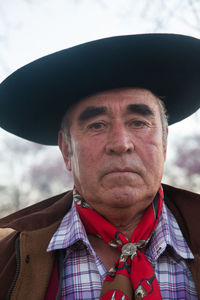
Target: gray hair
x: 163, y: 116
x: 66, y: 124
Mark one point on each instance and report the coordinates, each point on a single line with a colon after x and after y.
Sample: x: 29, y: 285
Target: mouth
x: 119, y: 170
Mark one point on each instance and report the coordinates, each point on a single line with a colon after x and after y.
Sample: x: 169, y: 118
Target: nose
x: 119, y: 140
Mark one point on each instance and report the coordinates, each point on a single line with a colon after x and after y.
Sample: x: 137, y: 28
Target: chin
x: 125, y: 197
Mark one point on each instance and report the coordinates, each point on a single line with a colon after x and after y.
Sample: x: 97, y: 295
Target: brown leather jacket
x: 25, y: 266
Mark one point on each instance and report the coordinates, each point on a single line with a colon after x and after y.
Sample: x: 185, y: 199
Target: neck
x: 125, y: 220
x: 125, y: 214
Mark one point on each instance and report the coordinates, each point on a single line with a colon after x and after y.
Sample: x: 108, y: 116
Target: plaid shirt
x: 84, y: 272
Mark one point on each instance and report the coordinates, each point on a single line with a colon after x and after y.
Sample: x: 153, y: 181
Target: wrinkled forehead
x: 122, y: 97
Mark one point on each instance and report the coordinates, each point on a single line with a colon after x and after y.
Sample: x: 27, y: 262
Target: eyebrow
x: 141, y: 109
x: 92, y: 112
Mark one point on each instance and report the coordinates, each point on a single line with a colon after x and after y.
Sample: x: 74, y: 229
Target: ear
x: 65, y: 149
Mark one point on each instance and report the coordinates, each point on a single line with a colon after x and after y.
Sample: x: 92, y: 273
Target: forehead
x: 117, y: 98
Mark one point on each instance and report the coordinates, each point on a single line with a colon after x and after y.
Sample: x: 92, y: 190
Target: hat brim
x: 34, y: 99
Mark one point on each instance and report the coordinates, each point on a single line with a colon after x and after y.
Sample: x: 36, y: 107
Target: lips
x: 120, y: 170
x: 111, y: 167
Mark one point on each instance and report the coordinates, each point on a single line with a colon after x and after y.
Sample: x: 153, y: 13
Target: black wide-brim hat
x: 34, y: 99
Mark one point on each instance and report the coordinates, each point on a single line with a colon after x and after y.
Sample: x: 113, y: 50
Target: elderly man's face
x: 117, y: 148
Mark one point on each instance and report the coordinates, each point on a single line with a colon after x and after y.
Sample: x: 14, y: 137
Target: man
x: 117, y: 236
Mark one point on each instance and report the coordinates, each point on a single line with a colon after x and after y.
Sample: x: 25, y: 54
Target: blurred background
x: 30, y: 29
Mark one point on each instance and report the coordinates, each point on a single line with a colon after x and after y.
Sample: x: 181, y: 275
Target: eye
x: 138, y: 123
x: 97, y: 126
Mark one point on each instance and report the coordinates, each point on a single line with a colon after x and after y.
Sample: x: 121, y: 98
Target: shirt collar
x: 168, y: 233
x: 70, y: 233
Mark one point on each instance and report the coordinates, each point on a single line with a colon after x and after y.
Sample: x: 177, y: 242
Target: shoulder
x: 186, y: 202
x: 178, y: 193
x: 185, y: 206
x: 40, y: 219
x: 39, y: 215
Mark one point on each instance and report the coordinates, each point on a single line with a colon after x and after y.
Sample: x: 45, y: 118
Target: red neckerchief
x: 132, y: 277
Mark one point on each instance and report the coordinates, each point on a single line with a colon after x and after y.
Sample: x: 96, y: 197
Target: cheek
x: 152, y: 151
x: 84, y: 158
